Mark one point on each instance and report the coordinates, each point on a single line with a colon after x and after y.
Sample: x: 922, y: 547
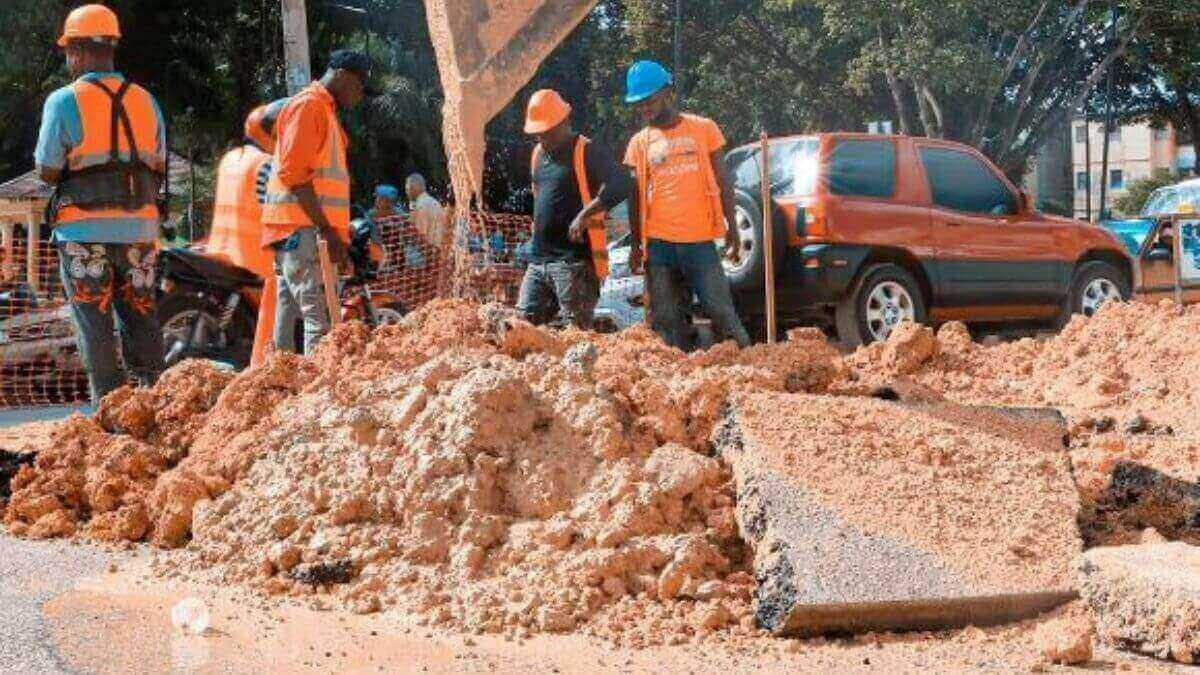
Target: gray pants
x: 571, y: 287
x: 103, y: 279
x: 673, y: 273
x: 301, y: 292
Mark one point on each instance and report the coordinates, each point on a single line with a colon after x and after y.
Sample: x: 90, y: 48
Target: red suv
x: 880, y: 229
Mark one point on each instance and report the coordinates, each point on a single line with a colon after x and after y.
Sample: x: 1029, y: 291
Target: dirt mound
x: 1125, y: 380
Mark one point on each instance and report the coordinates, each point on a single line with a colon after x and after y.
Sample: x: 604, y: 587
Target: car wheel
x: 747, y: 274
x: 1094, y: 285
x: 885, y: 296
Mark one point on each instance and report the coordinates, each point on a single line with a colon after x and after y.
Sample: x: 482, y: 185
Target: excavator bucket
x: 487, y: 50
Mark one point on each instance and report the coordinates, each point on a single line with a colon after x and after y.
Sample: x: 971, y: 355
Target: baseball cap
x: 357, y: 63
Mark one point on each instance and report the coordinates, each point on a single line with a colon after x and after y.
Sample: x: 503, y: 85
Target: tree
x: 1139, y: 191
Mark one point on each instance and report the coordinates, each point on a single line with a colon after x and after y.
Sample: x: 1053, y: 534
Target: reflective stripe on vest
x: 95, y: 148
x: 282, y: 213
x: 597, y: 233
x: 237, y: 215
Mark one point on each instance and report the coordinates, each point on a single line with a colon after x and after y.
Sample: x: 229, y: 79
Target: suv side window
x: 863, y: 168
x: 959, y: 181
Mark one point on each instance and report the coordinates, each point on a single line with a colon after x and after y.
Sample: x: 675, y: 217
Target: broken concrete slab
x: 870, y: 515
x: 1145, y: 598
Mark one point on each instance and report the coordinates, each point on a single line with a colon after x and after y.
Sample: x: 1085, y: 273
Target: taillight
x: 815, y: 224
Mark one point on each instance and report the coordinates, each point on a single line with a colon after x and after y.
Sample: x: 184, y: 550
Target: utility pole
x: 679, y: 47
x: 298, y: 65
x: 1108, y: 116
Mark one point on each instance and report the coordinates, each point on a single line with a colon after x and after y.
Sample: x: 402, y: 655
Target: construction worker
x: 681, y: 206
x: 575, y: 182
x: 386, y: 197
x: 241, y: 190
x: 102, y: 145
x: 308, y: 195
x: 428, y: 215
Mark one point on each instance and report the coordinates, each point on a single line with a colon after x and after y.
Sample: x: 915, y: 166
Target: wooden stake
x: 1177, y: 231
x: 768, y: 240
x: 34, y: 230
x: 330, y: 281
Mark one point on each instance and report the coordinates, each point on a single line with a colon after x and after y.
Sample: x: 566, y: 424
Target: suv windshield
x: 794, y: 165
x: 1167, y: 200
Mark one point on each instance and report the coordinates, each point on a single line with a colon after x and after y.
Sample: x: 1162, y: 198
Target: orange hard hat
x: 90, y: 21
x: 546, y: 110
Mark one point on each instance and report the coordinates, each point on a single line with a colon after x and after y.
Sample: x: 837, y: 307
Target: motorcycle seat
x: 199, y: 267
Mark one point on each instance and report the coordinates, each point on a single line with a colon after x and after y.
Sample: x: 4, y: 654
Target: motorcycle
x: 208, y: 307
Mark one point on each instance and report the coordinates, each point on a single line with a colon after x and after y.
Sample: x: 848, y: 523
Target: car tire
x: 1093, y: 285
x: 884, y: 295
x: 748, y: 273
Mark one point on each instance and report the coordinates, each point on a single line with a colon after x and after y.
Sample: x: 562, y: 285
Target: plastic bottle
x: 190, y: 616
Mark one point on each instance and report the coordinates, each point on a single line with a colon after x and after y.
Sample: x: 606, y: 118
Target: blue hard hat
x: 645, y: 79
x: 388, y: 192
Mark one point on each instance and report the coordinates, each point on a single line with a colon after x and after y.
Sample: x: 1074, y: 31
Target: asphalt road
x: 11, y: 418
x: 32, y: 573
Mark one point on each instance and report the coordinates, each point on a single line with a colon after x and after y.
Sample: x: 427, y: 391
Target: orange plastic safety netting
x: 479, y: 256
x: 39, y: 363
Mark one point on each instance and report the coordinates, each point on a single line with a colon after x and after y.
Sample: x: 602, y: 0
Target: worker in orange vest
x: 575, y: 182
x: 241, y: 190
x: 102, y: 145
x: 683, y: 203
x: 308, y: 195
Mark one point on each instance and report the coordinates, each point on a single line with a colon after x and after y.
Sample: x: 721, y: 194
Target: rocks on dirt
x: 323, y: 573
x: 1066, y: 641
x: 1145, y: 598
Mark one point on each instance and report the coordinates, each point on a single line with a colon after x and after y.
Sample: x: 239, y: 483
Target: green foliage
x: 1139, y: 191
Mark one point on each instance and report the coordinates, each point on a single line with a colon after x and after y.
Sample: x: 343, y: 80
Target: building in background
x: 1135, y: 152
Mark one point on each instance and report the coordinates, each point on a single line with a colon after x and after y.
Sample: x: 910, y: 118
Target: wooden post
x: 34, y: 230
x: 329, y: 277
x: 768, y: 229
x: 6, y: 251
x: 298, y: 65
x: 1177, y: 231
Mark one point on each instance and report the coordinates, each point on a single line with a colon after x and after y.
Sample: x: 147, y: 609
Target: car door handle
x: 950, y: 223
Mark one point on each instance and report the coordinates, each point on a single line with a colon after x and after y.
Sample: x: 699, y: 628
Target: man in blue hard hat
x: 681, y: 206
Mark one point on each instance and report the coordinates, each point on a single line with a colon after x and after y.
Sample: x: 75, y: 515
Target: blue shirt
x: 62, y: 130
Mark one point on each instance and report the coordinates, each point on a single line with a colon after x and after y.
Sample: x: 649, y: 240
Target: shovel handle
x: 330, y: 282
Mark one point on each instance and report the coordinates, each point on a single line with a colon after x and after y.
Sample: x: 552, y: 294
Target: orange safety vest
x: 237, y: 227
x: 282, y: 214
x: 715, y: 206
x: 597, y: 233
x: 113, y: 140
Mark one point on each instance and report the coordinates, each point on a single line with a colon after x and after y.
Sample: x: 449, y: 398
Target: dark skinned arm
x: 635, y: 229
x: 727, y: 205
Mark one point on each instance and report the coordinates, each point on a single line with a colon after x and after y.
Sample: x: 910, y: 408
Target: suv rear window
x: 961, y: 182
x: 793, y: 167
x: 863, y: 168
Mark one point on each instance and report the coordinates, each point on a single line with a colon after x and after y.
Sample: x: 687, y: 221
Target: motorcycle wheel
x: 178, y: 316
x: 390, y: 314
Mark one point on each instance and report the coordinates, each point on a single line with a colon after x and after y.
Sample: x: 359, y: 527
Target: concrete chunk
x: 869, y: 515
x: 1146, y: 598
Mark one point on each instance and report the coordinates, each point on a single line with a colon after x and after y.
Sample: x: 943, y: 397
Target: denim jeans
x: 100, y: 279
x: 673, y: 273
x: 301, y: 292
x: 569, y: 286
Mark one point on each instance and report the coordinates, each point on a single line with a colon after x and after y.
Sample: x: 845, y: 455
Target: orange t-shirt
x: 679, y: 206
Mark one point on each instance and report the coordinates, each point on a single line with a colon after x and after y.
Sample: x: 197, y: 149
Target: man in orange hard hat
x: 102, y: 145
x: 308, y: 195
x: 575, y: 182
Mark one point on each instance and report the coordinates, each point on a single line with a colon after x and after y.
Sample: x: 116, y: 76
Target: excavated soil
x: 492, y: 476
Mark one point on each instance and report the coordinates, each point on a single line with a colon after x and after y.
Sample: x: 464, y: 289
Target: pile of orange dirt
x: 465, y: 465
x: 1126, y: 381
